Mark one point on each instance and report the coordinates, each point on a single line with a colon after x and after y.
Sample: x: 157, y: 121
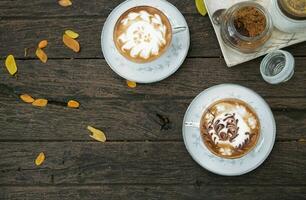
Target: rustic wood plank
x: 16, y: 35
x: 94, y: 79
x: 156, y: 120
x: 119, y: 192
x: 91, y: 8
x: 105, y: 98
x: 137, y: 163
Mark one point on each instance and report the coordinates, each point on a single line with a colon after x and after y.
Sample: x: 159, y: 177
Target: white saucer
x: 200, y: 153
x: 158, y: 69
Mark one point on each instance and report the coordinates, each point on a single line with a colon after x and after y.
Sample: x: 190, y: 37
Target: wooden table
x: 144, y: 156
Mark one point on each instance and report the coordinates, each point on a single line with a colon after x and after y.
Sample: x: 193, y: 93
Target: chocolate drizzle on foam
x: 230, y: 128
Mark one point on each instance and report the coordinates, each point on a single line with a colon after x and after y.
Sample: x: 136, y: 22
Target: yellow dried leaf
x: 40, y: 102
x: 42, y: 44
x: 26, y: 52
x: 302, y: 140
x: 201, y: 7
x: 41, y: 55
x: 10, y: 64
x: 96, y: 134
x: 71, y: 34
x: 71, y: 43
x: 27, y: 98
x: 131, y: 84
x: 65, y: 3
x: 73, y: 104
x: 40, y: 159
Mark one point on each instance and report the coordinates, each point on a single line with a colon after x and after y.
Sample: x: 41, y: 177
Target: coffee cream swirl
x: 230, y: 127
x: 144, y: 34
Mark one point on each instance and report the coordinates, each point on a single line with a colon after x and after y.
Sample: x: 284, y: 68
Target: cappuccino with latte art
x: 230, y: 128
x: 142, y: 34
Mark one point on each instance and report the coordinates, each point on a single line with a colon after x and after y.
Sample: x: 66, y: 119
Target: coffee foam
x: 230, y: 125
x: 243, y: 128
x: 143, y: 34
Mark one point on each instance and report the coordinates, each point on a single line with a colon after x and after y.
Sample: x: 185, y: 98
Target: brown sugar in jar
x: 246, y: 26
x: 249, y: 21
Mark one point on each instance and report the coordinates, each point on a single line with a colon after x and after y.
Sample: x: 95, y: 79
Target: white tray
x: 278, y: 39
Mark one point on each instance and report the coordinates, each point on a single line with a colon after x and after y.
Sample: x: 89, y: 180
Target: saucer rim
x: 159, y: 78
x: 271, y: 116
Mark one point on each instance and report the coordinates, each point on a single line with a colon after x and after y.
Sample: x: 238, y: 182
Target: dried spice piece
x: 71, y: 34
x: 27, y: 98
x: 96, y: 134
x: 73, y: 104
x: 42, y: 44
x: 40, y: 102
x: 249, y: 21
x: 201, y: 7
x: 65, y: 3
x: 40, y: 159
x: 131, y: 84
x: 71, y: 43
x: 26, y: 52
x: 10, y: 64
x: 41, y: 55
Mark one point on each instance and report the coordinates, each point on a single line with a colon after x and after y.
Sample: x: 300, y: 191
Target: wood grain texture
x: 137, y: 163
x: 123, y: 120
x: 105, y: 99
x: 93, y: 78
x: 144, y: 157
x: 133, y: 192
x: 89, y: 8
x: 16, y: 35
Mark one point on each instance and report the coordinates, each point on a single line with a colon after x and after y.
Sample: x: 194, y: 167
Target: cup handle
x: 179, y: 29
x: 192, y: 124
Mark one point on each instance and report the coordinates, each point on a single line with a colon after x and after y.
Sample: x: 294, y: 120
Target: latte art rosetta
x: 142, y: 34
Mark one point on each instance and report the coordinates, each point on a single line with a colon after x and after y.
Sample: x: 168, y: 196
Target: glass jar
x: 245, y: 26
x: 295, y: 9
x: 289, y: 15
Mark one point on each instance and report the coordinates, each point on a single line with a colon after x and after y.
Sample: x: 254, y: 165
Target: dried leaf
x: 96, y: 134
x: 201, y: 7
x: 26, y: 52
x: 73, y: 104
x: 40, y: 159
x: 40, y: 102
x: 10, y: 64
x: 131, y: 84
x: 302, y: 140
x: 71, y: 43
x: 27, y: 98
x: 71, y: 34
x: 41, y: 55
x: 65, y: 3
x: 42, y: 44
